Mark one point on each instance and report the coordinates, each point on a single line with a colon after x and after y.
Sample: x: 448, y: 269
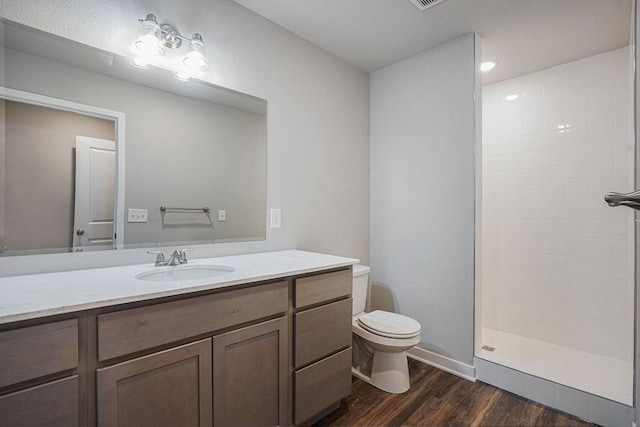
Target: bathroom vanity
x: 266, y: 343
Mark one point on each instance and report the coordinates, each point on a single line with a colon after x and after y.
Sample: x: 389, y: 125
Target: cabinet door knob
x: 80, y: 232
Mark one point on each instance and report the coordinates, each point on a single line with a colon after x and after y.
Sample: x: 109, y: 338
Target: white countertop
x: 40, y: 295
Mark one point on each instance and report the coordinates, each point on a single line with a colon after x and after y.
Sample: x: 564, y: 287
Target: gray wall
x: 39, y: 173
x: 422, y: 194
x: 318, y: 118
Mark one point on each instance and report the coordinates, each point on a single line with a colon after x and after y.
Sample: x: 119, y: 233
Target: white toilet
x: 380, y: 340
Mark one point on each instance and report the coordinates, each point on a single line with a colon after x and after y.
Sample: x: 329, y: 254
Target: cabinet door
x: 250, y: 375
x: 169, y: 388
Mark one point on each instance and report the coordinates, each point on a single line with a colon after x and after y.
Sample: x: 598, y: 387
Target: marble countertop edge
x: 49, y: 294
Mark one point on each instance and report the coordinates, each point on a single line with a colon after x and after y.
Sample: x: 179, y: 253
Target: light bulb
x: 149, y: 40
x: 195, y: 59
x: 488, y: 66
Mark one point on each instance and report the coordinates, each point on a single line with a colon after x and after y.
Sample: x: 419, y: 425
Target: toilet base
x: 390, y: 372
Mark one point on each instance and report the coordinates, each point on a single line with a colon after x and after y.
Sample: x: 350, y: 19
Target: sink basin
x: 181, y: 273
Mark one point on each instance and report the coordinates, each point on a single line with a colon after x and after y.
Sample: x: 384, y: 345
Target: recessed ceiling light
x: 488, y: 66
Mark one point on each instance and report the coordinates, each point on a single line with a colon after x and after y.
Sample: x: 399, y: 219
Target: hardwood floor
x: 437, y: 398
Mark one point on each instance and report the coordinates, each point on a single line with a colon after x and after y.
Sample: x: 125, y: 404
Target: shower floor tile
x: 603, y: 376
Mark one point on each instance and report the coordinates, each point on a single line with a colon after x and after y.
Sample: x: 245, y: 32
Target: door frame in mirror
x: 88, y: 110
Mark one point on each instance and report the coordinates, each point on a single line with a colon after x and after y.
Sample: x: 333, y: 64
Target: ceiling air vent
x: 425, y: 4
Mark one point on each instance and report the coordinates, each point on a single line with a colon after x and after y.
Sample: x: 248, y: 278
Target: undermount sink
x: 180, y: 273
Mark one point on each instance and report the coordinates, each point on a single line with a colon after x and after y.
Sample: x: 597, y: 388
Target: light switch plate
x: 222, y: 215
x: 276, y: 218
x: 138, y: 215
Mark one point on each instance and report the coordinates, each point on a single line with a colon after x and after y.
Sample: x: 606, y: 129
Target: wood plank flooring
x: 437, y: 398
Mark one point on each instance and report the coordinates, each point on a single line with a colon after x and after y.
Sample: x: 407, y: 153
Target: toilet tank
x: 360, y: 287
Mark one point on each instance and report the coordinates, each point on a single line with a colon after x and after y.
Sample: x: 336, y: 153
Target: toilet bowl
x: 380, y: 340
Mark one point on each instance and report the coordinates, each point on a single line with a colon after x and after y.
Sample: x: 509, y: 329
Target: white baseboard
x: 444, y: 363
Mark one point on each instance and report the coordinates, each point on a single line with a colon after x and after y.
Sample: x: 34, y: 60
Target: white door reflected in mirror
x: 93, y: 212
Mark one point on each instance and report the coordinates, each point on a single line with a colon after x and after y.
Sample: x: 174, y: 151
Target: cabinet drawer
x: 323, y: 287
x: 51, y: 404
x: 142, y: 328
x: 322, y: 330
x: 36, y: 351
x: 320, y: 385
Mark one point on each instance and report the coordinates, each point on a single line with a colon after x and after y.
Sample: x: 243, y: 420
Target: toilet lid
x: 389, y: 324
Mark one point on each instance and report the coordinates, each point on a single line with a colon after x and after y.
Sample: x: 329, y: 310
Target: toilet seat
x: 391, y: 325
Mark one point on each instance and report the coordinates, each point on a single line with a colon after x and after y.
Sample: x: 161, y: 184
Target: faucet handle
x: 160, y: 258
x: 183, y: 255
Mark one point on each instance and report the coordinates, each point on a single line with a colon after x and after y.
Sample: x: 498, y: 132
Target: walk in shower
x: 556, y: 263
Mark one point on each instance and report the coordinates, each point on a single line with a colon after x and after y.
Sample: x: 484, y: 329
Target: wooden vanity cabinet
x: 38, y: 368
x: 236, y: 375
x: 237, y: 378
x: 270, y: 353
x: 322, y: 343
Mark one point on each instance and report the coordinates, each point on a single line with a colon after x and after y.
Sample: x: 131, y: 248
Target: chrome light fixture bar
x: 154, y: 38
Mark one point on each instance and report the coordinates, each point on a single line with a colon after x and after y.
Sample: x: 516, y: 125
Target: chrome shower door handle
x: 631, y: 200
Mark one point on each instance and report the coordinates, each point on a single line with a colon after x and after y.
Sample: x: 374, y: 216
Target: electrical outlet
x: 276, y: 218
x: 138, y: 215
x: 222, y: 215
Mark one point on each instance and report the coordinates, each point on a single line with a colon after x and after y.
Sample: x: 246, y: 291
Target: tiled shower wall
x: 557, y: 262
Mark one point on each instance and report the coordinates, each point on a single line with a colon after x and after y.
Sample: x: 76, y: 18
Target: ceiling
x: 522, y: 35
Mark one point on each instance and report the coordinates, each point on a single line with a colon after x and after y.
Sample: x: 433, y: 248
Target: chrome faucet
x: 178, y: 257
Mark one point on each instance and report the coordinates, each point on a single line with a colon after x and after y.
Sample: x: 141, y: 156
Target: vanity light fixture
x: 154, y: 38
x: 150, y: 34
x: 195, y: 58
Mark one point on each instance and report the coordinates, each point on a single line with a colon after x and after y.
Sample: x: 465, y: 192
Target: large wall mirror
x: 92, y: 148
